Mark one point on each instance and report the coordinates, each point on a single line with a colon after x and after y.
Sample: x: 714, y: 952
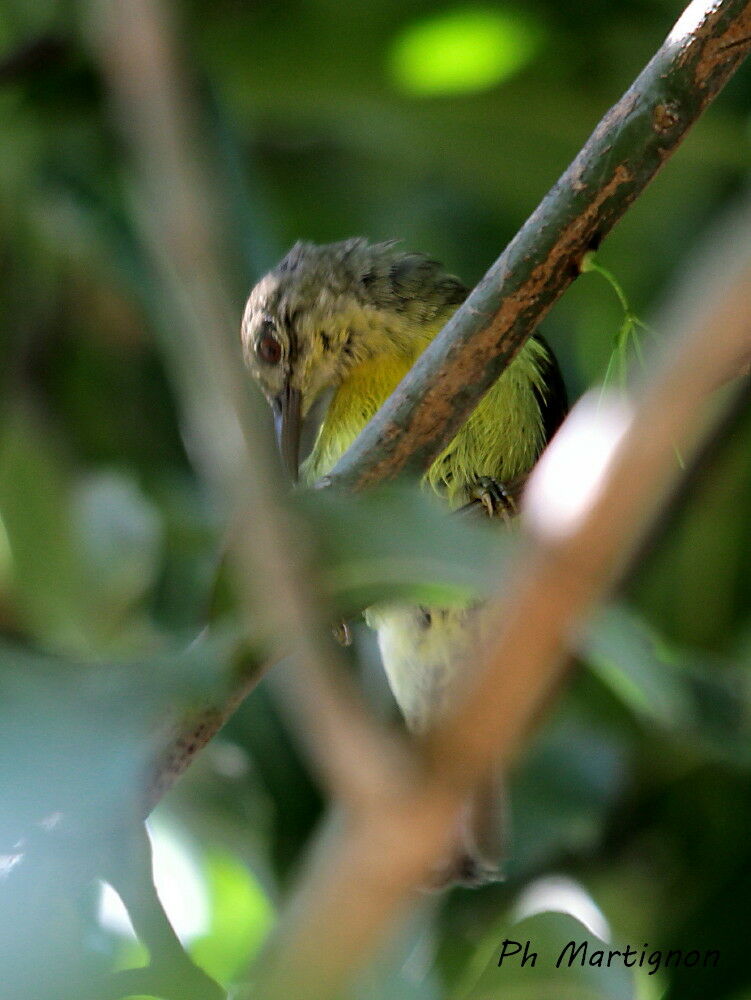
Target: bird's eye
x: 268, y: 348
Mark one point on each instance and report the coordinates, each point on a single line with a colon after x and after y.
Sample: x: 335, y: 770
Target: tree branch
x: 623, y: 154
x: 195, y: 732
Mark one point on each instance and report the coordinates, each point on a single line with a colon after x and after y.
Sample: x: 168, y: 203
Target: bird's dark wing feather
x: 554, y: 399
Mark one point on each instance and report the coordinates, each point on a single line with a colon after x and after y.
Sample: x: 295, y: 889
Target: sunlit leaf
x: 241, y: 917
x: 461, y: 51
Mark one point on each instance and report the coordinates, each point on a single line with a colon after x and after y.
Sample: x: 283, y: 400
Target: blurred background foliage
x: 441, y: 124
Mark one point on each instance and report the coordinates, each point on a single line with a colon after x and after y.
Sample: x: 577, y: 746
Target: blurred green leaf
x: 405, y: 967
x: 76, y: 739
x: 640, y: 669
x: 120, y: 534
x: 76, y: 744
x: 401, y: 543
x: 49, y: 584
x: 76, y: 557
x: 697, y: 698
x: 241, y: 917
x: 460, y: 51
x: 562, y: 793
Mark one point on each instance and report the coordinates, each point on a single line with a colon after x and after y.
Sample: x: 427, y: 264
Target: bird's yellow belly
x: 501, y: 439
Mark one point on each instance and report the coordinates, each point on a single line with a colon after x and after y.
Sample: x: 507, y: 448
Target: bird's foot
x: 475, y: 871
x: 342, y: 633
x: 495, y: 497
x: 464, y: 869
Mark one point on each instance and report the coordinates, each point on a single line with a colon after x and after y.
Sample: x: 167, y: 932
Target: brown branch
x: 224, y: 413
x: 365, y: 874
x: 623, y: 154
x: 195, y: 732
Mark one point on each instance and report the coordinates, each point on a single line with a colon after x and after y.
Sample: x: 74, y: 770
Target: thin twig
x: 193, y: 733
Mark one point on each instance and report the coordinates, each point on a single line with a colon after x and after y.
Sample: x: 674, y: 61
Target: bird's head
x: 325, y: 309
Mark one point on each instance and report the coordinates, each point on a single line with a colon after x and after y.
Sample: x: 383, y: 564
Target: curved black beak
x: 287, y: 423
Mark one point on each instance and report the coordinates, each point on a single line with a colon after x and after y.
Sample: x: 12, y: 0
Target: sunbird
x: 342, y: 324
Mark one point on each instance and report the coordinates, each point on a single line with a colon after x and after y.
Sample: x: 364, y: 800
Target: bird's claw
x: 494, y: 497
x: 342, y: 633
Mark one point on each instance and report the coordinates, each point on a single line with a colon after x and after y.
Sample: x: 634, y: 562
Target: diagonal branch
x: 623, y: 154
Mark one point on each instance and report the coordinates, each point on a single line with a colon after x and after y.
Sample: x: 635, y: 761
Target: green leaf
x: 401, y: 543
x: 241, y: 918
x: 46, y: 578
x: 75, y: 739
x: 76, y: 557
x: 120, y: 533
x: 462, y: 51
x: 704, y: 702
x: 639, y: 669
x: 406, y: 967
x: 564, y: 790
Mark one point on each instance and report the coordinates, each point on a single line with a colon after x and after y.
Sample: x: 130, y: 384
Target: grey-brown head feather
x: 334, y: 305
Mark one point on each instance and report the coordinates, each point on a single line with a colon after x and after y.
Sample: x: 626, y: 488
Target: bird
x: 336, y: 327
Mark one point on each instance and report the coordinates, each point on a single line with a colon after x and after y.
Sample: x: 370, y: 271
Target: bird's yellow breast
x: 501, y: 439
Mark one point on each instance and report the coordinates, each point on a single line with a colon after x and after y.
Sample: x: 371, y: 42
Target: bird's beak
x: 287, y: 424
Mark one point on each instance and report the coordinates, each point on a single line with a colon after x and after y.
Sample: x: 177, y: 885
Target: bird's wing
x: 553, y: 399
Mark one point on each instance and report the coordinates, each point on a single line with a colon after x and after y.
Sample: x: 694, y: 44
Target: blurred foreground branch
x: 226, y: 418
x: 623, y: 154
x: 583, y: 530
